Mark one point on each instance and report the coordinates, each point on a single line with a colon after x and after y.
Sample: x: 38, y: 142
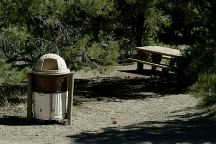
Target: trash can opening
x: 50, y: 64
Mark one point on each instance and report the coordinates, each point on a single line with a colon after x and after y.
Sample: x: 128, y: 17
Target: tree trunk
x: 139, y: 29
x: 96, y: 27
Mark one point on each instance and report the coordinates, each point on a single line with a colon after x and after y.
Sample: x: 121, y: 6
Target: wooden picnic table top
x: 160, y: 50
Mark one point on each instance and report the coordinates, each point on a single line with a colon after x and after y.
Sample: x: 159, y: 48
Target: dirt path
x: 120, y: 108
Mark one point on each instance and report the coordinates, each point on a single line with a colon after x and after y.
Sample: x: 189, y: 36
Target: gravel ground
x: 156, y: 117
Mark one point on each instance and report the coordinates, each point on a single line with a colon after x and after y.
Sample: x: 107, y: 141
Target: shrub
x: 205, y: 89
x: 19, y: 47
x: 10, y: 82
x: 195, y: 60
x: 87, y: 53
x: 9, y: 75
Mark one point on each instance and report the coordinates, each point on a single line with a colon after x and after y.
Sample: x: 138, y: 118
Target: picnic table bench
x: 157, y: 55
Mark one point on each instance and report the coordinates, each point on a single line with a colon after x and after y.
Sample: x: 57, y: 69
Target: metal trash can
x: 49, y: 88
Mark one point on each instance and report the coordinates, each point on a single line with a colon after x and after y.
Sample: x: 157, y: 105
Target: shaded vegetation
x: 205, y: 89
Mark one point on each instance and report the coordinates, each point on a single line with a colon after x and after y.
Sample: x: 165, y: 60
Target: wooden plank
x: 149, y: 63
x: 70, y: 84
x: 166, y: 57
x: 29, y: 97
x: 160, y: 50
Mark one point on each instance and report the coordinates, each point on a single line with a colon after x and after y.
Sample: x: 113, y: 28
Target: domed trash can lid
x: 50, y: 64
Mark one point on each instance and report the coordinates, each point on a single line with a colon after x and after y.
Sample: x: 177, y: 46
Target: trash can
x: 49, y: 86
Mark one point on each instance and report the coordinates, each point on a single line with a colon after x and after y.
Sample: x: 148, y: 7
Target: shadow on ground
x: 22, y: 121
x: 193, y: 131
x: 128, y: 87
x: 192, y: 128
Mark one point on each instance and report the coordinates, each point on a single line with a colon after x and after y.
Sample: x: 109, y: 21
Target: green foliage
x: 24, y: 31
x: 12, y: 40
x: 9, y: 75
x: 10, y: 80
x: 187, y: 18
x: 96, y: 7
x: 18, y: 46
x: 30, y: 28
x: 85, y: 53
x: 156, y: 21
x: 139, y: 23
x: 205, y: 89
x: 199, y: 58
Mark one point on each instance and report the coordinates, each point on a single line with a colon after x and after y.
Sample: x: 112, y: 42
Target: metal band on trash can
x: 49, y: 83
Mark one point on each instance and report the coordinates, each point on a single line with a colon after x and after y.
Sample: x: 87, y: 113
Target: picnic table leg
x: 139, y: 66
x: 156, y: 58
x: 165, y: 72
x: 141, y: 56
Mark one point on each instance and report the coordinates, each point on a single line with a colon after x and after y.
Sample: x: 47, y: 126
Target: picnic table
x: 157, y: 55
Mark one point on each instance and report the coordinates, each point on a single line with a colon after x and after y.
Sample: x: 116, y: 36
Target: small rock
x: 114, y: 120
